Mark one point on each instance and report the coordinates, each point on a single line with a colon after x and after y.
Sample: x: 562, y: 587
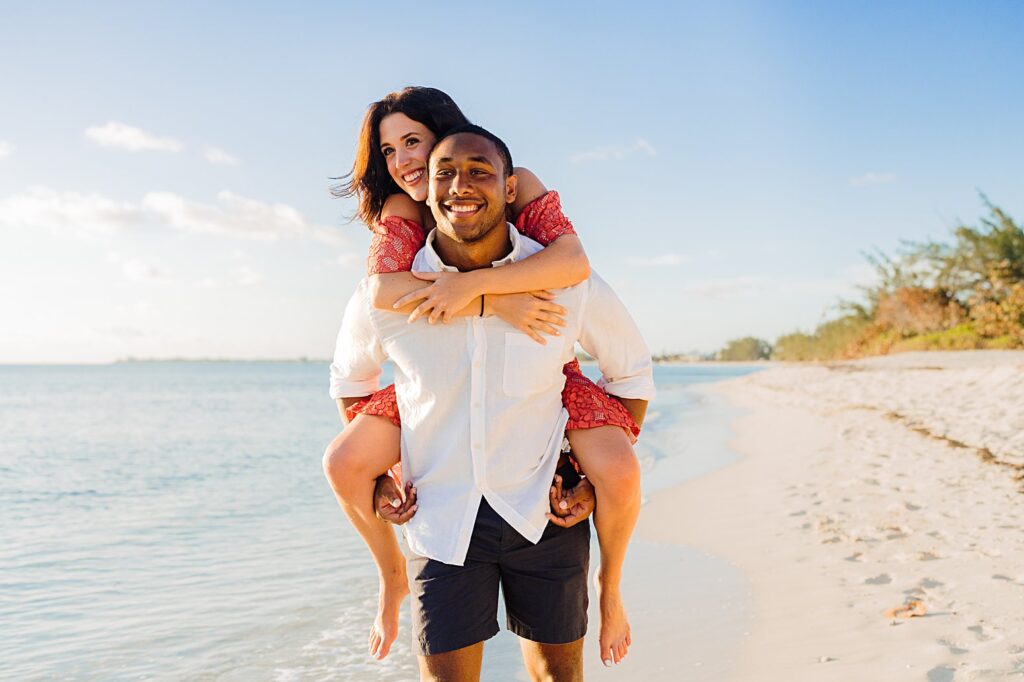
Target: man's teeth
x: 414, y: 176
x: 459, y: 208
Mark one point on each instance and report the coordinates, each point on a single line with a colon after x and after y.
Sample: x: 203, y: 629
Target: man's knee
x: 554, y: 662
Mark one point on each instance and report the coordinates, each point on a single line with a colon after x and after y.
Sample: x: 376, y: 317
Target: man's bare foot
x: 385, y: 626
x: 614, y: 639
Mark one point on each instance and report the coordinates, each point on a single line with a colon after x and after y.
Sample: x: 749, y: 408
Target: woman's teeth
x: 413, y: 177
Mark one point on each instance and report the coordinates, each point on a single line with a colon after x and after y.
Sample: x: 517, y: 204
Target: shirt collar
x: 437, y: 265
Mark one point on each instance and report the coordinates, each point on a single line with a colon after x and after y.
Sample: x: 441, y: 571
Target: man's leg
x: 545, y: 589
x: 553, y: 662
x: 608, y: 460
x: 455, y: 608
x: 461, y: 665
x: 352, y: 463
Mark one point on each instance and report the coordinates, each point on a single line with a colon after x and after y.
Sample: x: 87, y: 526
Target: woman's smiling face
x: 406, y: 145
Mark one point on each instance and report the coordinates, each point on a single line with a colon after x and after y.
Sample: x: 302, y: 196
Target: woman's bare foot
x: 385, y: 626
x: 614, y: 639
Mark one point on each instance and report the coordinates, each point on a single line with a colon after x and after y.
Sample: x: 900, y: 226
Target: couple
x: 478, y: 409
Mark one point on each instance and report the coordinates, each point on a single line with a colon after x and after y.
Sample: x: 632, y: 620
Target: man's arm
x: 636, y: 407
x: 345, y: 403
x: 358, y: 353
x: 608, y: 332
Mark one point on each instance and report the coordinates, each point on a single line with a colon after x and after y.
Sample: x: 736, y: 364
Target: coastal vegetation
x: 963, y: 293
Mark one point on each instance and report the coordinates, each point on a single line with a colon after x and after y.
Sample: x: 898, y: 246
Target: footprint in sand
x: 999, y: 576
x: 953, y: 648
x: 982, y: 633
x: 941, y: 673
x: 883, y: 579
x: 930, y: 584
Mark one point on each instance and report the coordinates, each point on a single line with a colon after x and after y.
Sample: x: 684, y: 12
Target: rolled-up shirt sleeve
x: 609, y: 333
x: 358, y: 353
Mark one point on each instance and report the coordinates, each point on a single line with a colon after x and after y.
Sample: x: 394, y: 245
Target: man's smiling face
x: 469, y: 190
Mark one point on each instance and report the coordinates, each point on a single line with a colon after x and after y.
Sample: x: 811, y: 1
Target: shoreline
x: 837, y: 512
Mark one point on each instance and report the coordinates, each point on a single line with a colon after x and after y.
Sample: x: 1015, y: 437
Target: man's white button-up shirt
x: 481, y: 402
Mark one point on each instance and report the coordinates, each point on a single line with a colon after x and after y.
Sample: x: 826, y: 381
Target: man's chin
x: 467, y: 234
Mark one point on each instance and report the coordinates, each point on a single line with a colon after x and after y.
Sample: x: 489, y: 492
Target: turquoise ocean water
x: 171, y: 521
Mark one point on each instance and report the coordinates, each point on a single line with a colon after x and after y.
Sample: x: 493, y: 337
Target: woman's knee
x: 615, y: 469
x: 341, y: 460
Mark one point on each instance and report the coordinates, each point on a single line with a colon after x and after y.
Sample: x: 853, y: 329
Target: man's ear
x: 510, y: 188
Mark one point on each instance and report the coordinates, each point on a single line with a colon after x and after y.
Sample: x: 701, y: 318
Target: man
x: 482, y: 424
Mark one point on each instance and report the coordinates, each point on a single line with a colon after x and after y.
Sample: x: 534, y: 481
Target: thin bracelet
x: 482, y: 304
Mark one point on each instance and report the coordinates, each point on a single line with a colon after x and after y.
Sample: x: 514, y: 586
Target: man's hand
x: 571, y: 506
x: 387, y: 501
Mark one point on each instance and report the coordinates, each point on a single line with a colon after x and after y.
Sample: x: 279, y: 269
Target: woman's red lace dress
x: 394, y: 246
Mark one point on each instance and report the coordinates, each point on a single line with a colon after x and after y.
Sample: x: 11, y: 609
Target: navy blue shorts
x: 544, y: 585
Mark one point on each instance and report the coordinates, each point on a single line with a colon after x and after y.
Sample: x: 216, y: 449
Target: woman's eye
x: 411, y: 141
x: 387, y: 151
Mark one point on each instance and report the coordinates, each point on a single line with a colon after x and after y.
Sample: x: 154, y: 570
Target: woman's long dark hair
x: 369, y: 180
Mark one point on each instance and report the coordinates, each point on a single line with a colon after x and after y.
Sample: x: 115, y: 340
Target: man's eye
x: 442, y: 173
x: 478, y: 171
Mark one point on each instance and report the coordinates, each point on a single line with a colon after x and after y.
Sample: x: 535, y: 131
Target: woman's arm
x: 562, y: 263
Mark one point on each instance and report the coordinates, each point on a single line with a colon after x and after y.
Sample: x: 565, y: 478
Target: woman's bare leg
x: 367, y: 447
x: 608, y: 460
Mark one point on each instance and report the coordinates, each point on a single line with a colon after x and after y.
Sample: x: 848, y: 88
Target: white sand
x: 865, y: 485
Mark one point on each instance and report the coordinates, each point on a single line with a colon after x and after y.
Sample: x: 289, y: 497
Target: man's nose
x: 460, y: 184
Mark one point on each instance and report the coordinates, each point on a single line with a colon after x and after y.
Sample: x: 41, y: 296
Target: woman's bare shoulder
x: 402, y: 205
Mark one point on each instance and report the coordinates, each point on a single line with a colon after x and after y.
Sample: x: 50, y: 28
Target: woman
x: 389, y: 179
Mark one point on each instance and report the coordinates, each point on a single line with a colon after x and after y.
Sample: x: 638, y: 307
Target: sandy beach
x: 876, y: 514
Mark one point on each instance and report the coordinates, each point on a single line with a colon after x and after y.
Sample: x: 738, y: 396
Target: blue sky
x: 164, y: 166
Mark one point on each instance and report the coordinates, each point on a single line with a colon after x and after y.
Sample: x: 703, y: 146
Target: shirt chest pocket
x: 530, y: 367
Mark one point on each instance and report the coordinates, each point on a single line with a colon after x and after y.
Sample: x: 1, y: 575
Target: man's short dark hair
x: 473, y: 129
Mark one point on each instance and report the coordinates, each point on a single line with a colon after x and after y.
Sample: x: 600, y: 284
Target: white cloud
x: 208, y: 283
x: 246, y: 276
x: 68, y: 212
x: 129, y: 138
x: 349, y: 260
x: 612, y: 152
x: 139, y: 271
x: 6, y: 148
x: 220, y: 157
x: 716, y: 288
x: 235, y: 215
x: 872, y: 178
x: 80, y: 214
x: 662, y: 261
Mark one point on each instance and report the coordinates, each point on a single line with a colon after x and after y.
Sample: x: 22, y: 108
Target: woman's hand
x: 388, y: 503
x: 449, y: 293
x: 569, y: 507
x: 532, y: 313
